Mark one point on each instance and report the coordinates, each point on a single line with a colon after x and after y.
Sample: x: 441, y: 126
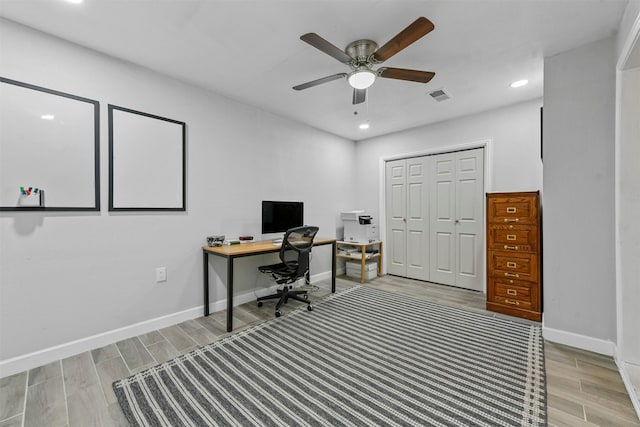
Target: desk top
x: 257, y: 247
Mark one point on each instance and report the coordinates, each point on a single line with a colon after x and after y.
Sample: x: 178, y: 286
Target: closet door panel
x: 417, y: 219
x: 467, y: 267
x: 396, y: 252
x: 442, y: 209
x: 415, y: 262
x: 469, y: 221
x: 444, y: 259
x: 396, y: 205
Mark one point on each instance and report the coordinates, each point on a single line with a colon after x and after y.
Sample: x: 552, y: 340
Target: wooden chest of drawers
x: 514, y: 272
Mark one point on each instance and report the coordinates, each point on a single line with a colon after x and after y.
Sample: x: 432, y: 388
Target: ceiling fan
x: 363, y: 55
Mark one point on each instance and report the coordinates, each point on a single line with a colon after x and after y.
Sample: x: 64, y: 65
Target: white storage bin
x: 370, y: 269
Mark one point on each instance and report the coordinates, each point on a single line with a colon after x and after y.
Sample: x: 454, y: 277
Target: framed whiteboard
x: 50, y: 141
x: 146, y: 162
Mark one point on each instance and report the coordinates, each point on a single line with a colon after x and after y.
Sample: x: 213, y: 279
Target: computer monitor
x: 278, y: 217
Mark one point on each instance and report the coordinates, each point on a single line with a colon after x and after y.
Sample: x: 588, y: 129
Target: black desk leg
x: 333, y: 268
x: 205, y: 262
x: 229, y: 294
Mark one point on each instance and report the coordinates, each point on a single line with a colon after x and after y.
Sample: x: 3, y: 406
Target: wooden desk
x: 232, y: 252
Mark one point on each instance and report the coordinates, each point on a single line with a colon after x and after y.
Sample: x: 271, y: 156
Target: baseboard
x: 322, y: 276
x: 51, y: 354
x: 579, y: 341
x: 628, y: 384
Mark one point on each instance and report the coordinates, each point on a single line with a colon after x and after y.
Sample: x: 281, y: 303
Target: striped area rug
x: 363, y: 357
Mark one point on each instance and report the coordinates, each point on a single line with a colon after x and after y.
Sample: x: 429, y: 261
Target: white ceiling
x: 250, y: 50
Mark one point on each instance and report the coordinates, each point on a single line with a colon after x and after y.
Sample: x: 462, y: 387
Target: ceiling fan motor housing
x: 361, y: 51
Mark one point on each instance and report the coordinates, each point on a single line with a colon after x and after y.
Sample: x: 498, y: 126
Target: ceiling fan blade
x: 319, y: 43
x: 317, y: 82
x: 404, y: 74
x: 419, y: 28
x: 359, y: 96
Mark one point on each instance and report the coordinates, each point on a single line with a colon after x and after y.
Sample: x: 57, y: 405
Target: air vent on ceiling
x: 439, y: 95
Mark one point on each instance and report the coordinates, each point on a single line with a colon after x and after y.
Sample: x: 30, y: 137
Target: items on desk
x: 245, y: 239
x: 232, y: 242
x: 214, y: 241
x: 358, y: 227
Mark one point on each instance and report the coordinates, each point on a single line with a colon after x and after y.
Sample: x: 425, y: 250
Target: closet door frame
x: 486, y: 144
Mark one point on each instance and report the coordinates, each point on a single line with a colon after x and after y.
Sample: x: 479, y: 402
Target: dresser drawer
x: 512, y: 210
x: 521, y: 238
x: 526, y: 292
x: 499, y: 299
x: 517, y: 266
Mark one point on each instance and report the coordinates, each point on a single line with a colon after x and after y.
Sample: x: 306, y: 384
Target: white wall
x: 514, y: 134
x: 69, y: 276
x: 578, y: 200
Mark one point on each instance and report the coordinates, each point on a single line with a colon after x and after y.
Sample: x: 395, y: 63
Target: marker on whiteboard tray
x: 27, y: 197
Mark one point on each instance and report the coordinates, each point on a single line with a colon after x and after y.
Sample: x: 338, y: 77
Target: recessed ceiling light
x: 75, y: 1
x: 47, y: 117
x: 519, y: 83
x: 364, y: 126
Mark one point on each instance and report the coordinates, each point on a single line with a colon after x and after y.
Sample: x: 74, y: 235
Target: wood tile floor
x: 583, y: 388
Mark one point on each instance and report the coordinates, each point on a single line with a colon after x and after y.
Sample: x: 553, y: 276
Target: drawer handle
x: 512, y: 220
x: 511, y: 275
x: 512, y: 292
x: 511, y: 237
x: 511, y: 247
x: 508, y: 301
x: 511, y: 210
x: 512, y: 264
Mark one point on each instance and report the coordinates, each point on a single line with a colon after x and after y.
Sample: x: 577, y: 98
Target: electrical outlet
x: 161, y: 274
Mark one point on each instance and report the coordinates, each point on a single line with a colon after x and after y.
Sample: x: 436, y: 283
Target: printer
x: 359, y: 227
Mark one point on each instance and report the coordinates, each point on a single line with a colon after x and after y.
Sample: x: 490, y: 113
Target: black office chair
x: 294, y: 254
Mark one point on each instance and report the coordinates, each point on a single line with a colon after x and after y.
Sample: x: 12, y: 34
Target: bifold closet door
x: 396, y: 208
x: 456, y: 218
x: 407, y: 195
x: 418, y: 218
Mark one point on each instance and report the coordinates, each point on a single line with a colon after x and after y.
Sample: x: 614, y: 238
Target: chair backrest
x: 296, y: 245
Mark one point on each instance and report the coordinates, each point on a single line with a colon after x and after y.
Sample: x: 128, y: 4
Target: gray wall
x: 578, y: 199
x: 68, y: 276
x: 513, y: 131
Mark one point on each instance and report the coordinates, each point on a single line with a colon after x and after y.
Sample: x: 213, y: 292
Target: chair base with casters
x: 294, y: 254
x: 284, y: 295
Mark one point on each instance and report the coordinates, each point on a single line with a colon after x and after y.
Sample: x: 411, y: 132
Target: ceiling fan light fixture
x: 361, y: 79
